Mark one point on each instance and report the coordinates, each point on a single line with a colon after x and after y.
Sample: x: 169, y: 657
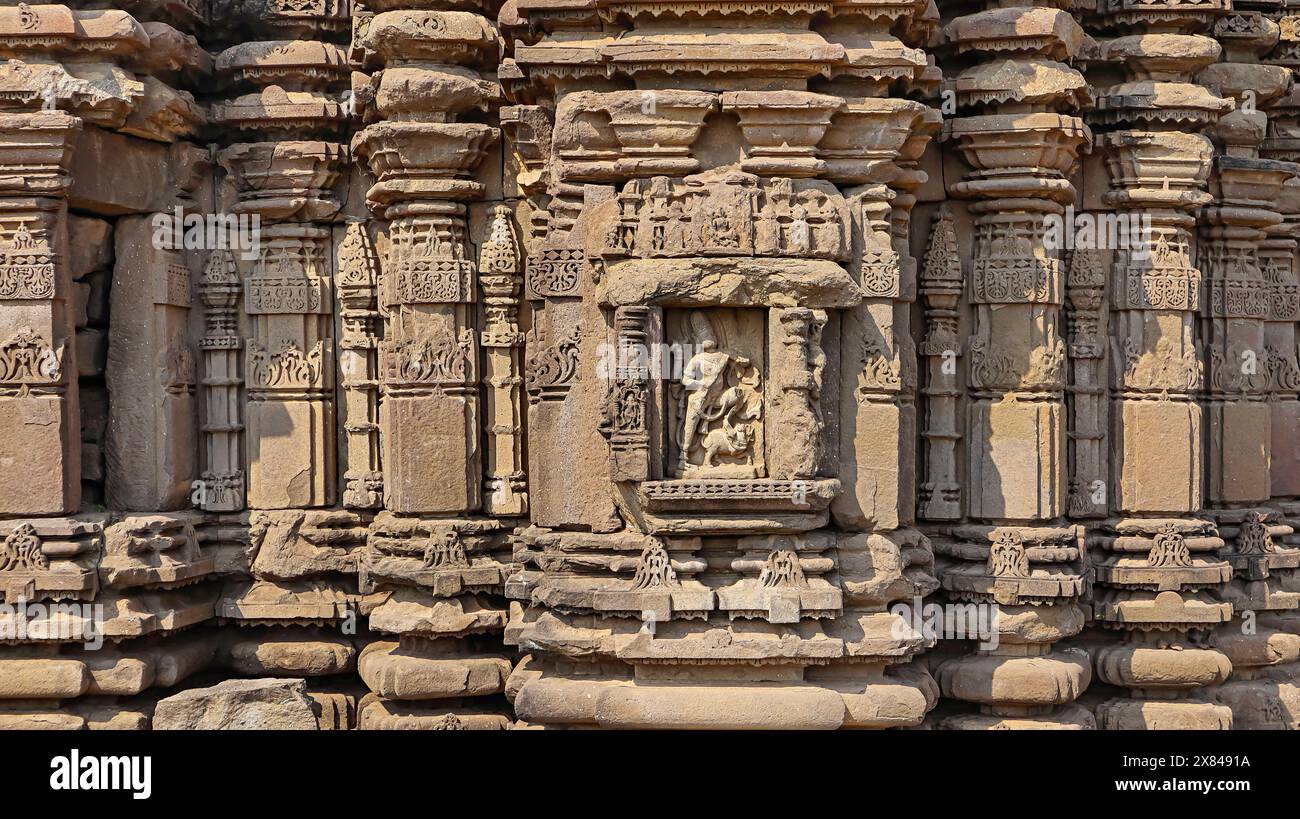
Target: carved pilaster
x: 797, y: 374
x: 289, y: 369
x: 632, y: 418
x: 423, y: 161
x: 1087, y: 401
x: 1236, y: 305
x: 505, y: 485
x: 39, y: 414
x: 941, y: 283
x: 356, y: 282
x: 222, y: 419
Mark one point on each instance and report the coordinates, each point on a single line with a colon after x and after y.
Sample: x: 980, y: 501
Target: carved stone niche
x: 715, y: 408
x: 704, y: 411
x: 727, y: 279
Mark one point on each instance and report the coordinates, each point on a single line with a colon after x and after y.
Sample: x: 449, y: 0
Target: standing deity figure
x: 713, y: 390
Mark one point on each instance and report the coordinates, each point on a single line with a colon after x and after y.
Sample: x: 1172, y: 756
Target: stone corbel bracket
x: 49, y: 559
x: 155, y: 551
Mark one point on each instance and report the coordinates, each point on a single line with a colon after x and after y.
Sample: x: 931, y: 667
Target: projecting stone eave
x: 565, y: 10
x: 450, y: 37
x: 1049, y: 32
x: 46, y: 29
x: 694, y: 51
x: 691, y: 506
x: 282, y: 58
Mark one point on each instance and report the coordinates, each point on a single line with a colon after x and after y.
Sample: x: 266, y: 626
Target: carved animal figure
x: 734, y: 437
x: 729, y: 440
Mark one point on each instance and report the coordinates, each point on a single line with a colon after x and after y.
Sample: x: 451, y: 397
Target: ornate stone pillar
x: 505, y: 485
x: 445, y: 384
x: 1154, y: 557
x: 223, y: 474
x: 1015, y: 553
x: 423, y: 162
x: 288, y: 185
x: 289, y: 351
x: 941, y: 286
x: 356, y: 282
x: 39, y: 414
x: 289, y: 99
x: 1087, y: 392
x: 1245, y: 188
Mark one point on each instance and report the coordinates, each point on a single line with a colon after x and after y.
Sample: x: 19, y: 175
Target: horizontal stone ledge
x: 398, y: 673
x: 874, y: 701
x: 730, y: 281
x: 377, y: 714
x: 1161, y: 715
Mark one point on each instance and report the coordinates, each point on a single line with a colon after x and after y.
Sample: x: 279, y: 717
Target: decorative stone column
x: 39, y: 414
x: 1246, y: 188
x: 356, y: 283
x: 223, y: 476
x: 1088, y: 391
x: 941, y: 287
x: 434, y: 564
x: 505, y: 486
x: 423, y: 162
x: 1015, y: 553
x: 1155, y: 561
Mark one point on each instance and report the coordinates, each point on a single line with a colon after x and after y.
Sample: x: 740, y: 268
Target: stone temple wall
x: 650, y: 363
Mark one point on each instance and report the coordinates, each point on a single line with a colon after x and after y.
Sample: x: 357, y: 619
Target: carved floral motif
x: 21, y: 550
x: 288, y: 367
x: 27, y: 359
